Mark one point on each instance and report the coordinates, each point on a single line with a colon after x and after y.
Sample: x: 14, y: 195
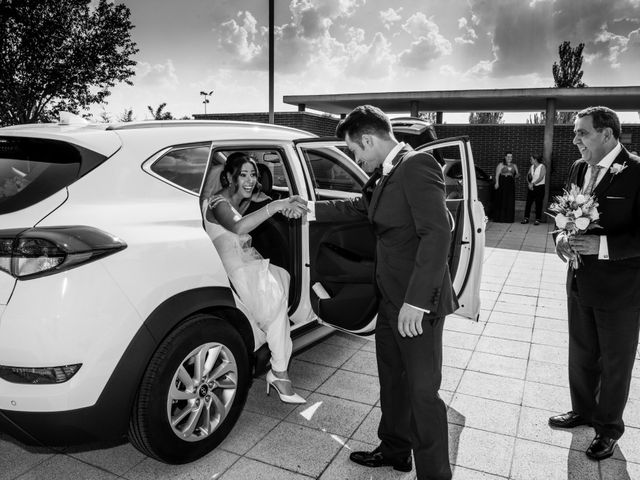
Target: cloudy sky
x: 345, y: 46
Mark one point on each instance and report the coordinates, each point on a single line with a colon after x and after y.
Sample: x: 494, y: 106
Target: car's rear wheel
x: 192, y: 392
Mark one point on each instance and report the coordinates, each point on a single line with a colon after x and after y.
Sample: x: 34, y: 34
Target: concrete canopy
x: 502, y: 100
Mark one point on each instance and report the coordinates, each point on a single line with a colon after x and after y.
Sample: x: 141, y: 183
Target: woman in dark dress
x: 505, y: 194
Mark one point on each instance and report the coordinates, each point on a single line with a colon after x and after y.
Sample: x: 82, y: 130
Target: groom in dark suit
x: 604, y: 291
x: 405, y: 201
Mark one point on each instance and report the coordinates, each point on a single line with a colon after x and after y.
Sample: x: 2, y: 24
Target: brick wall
x: 321, y: 125
x: 489, y: 142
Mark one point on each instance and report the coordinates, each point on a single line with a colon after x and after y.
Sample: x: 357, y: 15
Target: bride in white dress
x: 262, y: 287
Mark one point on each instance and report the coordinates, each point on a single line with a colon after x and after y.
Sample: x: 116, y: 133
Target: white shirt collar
x: 387, y: 165
x: 608, y: 159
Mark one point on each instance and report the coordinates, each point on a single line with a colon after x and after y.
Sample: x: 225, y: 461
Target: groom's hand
x: 410, y: 321
x: 585, y: 244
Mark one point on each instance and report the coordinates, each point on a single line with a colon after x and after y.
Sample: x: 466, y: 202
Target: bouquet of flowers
x: 575, y: 213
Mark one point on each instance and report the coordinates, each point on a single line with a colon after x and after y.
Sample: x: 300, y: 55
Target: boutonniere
x: 616, y: 168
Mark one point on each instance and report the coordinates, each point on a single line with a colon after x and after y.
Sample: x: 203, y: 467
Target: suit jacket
x: 615, y: 283
x: 413, y: 228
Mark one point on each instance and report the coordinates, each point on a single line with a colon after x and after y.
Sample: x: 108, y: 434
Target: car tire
x: 192, y: 392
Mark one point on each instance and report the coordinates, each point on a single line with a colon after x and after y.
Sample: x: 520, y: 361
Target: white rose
x: 580, y: 199
x: 561, y: 220
x: 582, y: 223
x: 577, y: 213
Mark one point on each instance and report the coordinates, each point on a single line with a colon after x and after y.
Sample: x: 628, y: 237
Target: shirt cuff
x: 311, y: 214
x: 418, y: 308
x: 603, y: 254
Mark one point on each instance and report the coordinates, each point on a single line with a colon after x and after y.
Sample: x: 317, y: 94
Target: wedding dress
x: 263, y: 288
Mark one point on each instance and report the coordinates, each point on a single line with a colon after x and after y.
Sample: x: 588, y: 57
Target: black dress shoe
x: 377, y: 459
x: 568, y: 420
x: 602, y: 447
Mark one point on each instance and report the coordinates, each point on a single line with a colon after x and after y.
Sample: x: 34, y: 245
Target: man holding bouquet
x: 604, y: 290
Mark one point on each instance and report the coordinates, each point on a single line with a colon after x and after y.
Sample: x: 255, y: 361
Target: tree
x: 568, y: 74
x: 126, y: 115
x: 159, y: 113
x: 61, y: 55
x: 105, y: 117
x: 564, y: 118
x: 486, y: 117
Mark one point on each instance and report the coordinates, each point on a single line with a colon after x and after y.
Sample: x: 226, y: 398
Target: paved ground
x: 503, y: 377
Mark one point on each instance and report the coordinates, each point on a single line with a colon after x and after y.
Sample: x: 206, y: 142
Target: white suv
x: 116, y: 315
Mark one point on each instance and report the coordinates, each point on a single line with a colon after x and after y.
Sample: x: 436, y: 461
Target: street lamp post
x: 206, y: 99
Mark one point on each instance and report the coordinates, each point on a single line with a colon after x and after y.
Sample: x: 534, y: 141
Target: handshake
x: 292, y: 207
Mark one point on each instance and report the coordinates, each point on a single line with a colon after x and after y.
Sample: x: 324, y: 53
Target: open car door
x: 340, y: 255
x: 467, y: 248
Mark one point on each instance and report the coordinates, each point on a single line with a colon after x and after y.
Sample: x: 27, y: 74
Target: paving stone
x: 330, y: 414
x: 500, y: 346
x: 455, y: 357
x: 548, y: 397
x: 307, y: 375
x: 246, y: 468
x: 553, y: 324
x: 480, y: 450
x: 550, y: 354
x: 492, y: 387
x: 484, y: 414
x: 210, y: 466
x: 508, y: 332
x: 513, y: 319
x: 549, y: 373
x: 498, y: 365
x: 549, y: 337
x: 296, y: 448
x: 514, y: 308
x: 352, y: 386
x: 63, y: 467
x: 16, y: 458
x: 362, y: 362
x: 459, y: 339
x: 327, y: 354
x: 118, y: 459
x: 536, y: 461
x: 368, y: 430
x: 249, y: 430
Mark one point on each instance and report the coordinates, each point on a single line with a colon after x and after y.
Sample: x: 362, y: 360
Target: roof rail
x: 189, y: 124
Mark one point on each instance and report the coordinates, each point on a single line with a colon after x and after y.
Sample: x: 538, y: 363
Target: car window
x: 184, y: 166
x: 481, y: 174
x: 329, y: 172
x: 453, y: 172
x: 34, y: 169
x: 272, y: 171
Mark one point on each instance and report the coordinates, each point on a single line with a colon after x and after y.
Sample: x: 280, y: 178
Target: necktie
x: 595, y: 171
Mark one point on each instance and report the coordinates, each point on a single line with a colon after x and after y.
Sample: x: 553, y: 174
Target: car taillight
x: 33, y: 252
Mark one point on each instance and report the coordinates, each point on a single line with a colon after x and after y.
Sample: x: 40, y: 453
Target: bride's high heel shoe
x: 295, y: 398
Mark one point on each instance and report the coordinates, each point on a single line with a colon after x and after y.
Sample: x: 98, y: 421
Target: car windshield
x: 34, y: 169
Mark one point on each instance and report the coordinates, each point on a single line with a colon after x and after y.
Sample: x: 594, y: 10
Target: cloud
x: 541, y: 26
x: 157, y: 75
x: 369, y: 60
x: 428, y: 43
x: 242, y: 39
x: 469, y: 36
x: 390, y: 17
